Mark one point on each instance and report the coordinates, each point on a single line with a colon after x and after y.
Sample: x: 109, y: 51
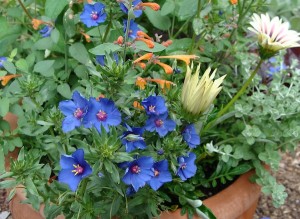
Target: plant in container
x: 137, y: 109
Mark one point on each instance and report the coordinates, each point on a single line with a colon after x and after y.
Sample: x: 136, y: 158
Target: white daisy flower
x: 273, y: 35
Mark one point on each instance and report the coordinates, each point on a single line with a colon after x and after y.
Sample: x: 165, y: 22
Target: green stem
x: 108, y: 26
x: 66, y: 53
x: 232, y: 101
x: 194, y: 34
x: 181, y: 28
x: 24, y: 9
x: 126, y: 34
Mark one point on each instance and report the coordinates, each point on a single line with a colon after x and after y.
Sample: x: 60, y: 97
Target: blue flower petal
x: 67, y: 162
x: 67, y: 176
x: 79, y: 100
x: 70, y: 123
x: 67, y: 107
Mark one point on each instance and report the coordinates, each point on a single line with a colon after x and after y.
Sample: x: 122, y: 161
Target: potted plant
x: 118, y: 118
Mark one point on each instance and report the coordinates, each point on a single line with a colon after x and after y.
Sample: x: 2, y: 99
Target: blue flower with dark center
x: 74, y: 169
x: 93, y: 15
x: 132, y: 139
x: 101, y: 59
x: 187, y: 167
x: 160, y: 124
x: 46, y: 31
x: 154, y: 105
x: 137, y: 12
x: 2, y: 60
x: 139, y: 172
x: 161, y: 175
x: 74, y: 111
x: 133, y: 29
x: 190, y: 136
x: 102, y: 113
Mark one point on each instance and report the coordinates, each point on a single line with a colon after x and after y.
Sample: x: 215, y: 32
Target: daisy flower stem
x: 239, y: 93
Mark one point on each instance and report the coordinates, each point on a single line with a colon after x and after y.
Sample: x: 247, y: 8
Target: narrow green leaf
x: 4, y: 106
x: 53, y: 8
x: 10, y: 67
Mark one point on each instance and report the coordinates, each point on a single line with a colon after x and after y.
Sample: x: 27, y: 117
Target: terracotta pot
x: 238, y: 201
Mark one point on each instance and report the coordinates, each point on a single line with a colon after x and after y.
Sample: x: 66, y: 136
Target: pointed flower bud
x: 197, y: 95
x: 168, y: 69
x: 141, y: 83
x: 185, y: 58
x: 86, y: 36
x: 153, y: 6
x: 147, y: 56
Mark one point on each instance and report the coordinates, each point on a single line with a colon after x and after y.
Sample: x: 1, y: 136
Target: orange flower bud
x: 153, y: 6
x: 141, y: 83
x: 86, y: 36
x: 5, y: 79
x: 141, y: 64
x: 149, y: 43
x: 143, y: 35
x: 167, y: 43
x: 119, y: 41
x: 147, y: 56
x: 137, y: 105
x: 163, y: 83
x: 100, y: 96
x: 168, y: 69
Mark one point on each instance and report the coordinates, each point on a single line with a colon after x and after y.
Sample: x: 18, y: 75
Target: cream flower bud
x: 198, y: 94
x: 273, y: 35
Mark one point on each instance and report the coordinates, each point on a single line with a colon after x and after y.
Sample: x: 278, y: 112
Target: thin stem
x: 126, y: 37
x: 194, y: 34
x: 181, y: 28
x: 108, y: 26
x: 24, y: 9
x: 66, y: 53
x: 232, y: 101
x: 99, y: 34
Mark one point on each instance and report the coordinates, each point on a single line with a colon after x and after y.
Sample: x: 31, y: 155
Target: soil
x: 288, y: 175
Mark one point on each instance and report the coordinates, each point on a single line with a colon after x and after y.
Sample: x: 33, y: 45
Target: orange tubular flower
x: 147, y: 56
x: 143, y: 35
x: 86, y: 36
x: 185, y: 58
x: 168, y: 69
x: 119, y: 41
x: 233, y: 2
x: 153, y: 6
x: 163, y: 83
x: 167, y: 43
x: 137, y: 105
x: 149, y: 43
x: 141, y: 83
x: 5, y: 79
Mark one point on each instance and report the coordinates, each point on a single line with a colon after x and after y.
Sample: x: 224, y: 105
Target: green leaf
x: 7, y: 184
x: 53, y: 8
x: 4, y: 107
x: 22, y: 65
x: 10, y: 67
x: 79, y: 52
x: 157, y: 20
x: 105, y: 48
x: 187, y: 9
x: 55, y: 35
x: 168, y: 7
x: 142, y: 46
x: 64, y: 90
x: 45, y: 68
x: 197, y: 25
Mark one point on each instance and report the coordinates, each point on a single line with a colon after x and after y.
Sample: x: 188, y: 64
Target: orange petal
x: 141, y: 83
x: 149, y: 43
x: 233, y: 2
x: 147, y: 56
x: 143, y: 35
x: 185, y: 58
x: 36, y: 23
x: 168, y: 69
x: 137, y: 105
x: 86, y: 36
x: 153, y: 6
x: 5, y: 79
x: 100, y: 96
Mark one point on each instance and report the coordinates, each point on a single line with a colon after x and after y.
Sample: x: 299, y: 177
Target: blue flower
x: 46, y: 31
x: 101, y: 59
x: 187, y: 167
x: 160, y: 124
x: 94, y: 14
x: 154, y: 105
x: 133, y: 29
x: 74, y: 169
x: 74, y: 111
x: 137, y: 12
x: 102, y: 113
x: 190, y: 136
x: 161, y: 175
x: 138, y: 172
x: 132, y: 139
x: 2, y: 59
